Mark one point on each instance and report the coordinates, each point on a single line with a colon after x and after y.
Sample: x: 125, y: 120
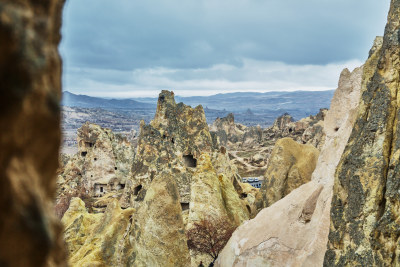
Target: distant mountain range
x: 84, y: 101
x: 248, y: 108
x: 308, y: 101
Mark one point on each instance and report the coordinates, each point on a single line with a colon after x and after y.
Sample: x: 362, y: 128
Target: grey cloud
x: 127, y: 35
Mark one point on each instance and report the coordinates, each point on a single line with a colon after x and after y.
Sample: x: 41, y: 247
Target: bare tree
x: 209, y: 236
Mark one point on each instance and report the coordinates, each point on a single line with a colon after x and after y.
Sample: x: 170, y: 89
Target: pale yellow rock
x: 159, y: 229
x: 98, y: 239
x: 206, y: 193
x: 78, y: 224
x: 291, y: 165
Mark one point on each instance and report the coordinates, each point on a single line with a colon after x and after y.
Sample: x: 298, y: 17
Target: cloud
x: 126, y: 34
x: 253, y: 75
x: 118, y: 44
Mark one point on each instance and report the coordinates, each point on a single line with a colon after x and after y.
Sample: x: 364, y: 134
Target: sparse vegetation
x: 210, y: 236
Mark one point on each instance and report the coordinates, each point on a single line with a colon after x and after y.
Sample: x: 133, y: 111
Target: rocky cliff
x: 30, y: 91
x: 294, y: 230
x: 365, y: 204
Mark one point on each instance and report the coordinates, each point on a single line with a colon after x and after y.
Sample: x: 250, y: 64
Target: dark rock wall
x: 30, y: 91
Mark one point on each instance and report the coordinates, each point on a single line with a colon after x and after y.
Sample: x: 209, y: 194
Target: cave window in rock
x: 137, y: 189
x: 173, y: 140
x: 89, y: 144
x: 290, y: 130
x: 336, y: 129
x: 185, y: 206
x: 190, y: 161
x: 83, y: 154
x: 115, y: 168
x: 122, y: 186
x: 243, y: 195
x: 95, y: 159
x: 100, y: 189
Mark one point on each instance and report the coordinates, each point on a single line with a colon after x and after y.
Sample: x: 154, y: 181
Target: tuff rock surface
x: 365, y: 205
x: 99, y: 168
x: 180, y: 174
x: 250, y: 148
x: 30, y: 91
x: 294, y: 230
x: 290, y: 165
x: 98, y: 239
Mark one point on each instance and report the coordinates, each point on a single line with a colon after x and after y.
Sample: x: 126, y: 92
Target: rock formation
x: 98, y: 239
x: 30, y: 91
x: 250, y: 147
x: 159, y: 227
x: 294, y: 230
x: 227, y: 130
x: 102, y: 164
x: 180, y: 174
x: 365, y: 205
x: 290, y: 166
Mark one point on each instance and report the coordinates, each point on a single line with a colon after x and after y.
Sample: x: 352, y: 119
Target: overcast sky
x: 125, y: 48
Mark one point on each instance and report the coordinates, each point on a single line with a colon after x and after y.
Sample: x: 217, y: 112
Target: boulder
x: 290, y: 165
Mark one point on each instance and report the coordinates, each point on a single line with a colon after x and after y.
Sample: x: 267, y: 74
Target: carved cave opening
x: 184, y: 206
x: 190, y: 161
x: 137, y: 189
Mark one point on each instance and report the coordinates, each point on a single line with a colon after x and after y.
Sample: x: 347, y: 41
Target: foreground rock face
x: 365, y: 206
x: 294, y: 230
x: 30, y: 78
x: 291, y: 165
